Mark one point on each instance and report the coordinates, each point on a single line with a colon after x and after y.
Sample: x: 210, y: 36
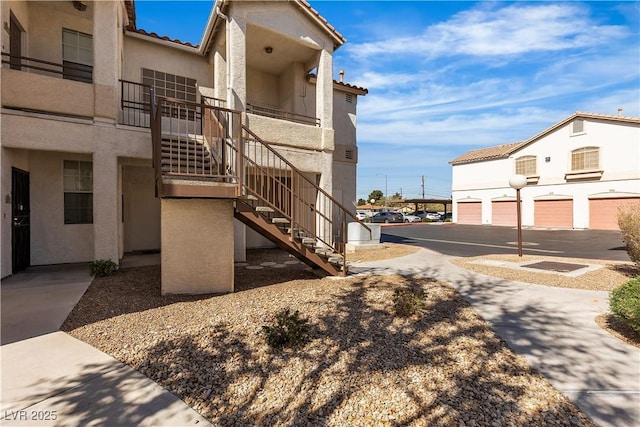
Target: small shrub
x: 426, y: 220
x: 103, y: 267
x: 629, y: 223
x: 290, y: 330
x: 624, y: 302
x: 407, y: 301
x: 447, y: 220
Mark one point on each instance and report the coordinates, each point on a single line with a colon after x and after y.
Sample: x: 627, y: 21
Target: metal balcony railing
x: 265, y: 111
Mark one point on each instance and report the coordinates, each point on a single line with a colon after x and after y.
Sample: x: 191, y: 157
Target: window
x: 78, y: 192
x: 77, y: 56
x: 169, y: 85
x: 586, y: 158
x: 578, y: 126
x: 526, y: 165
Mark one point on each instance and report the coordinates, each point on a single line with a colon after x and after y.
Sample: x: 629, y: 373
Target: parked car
x: 361, y: 216
x: 411, y: 218
x: 387, y: 217
x: 446, y: 217
x: 433, y: 216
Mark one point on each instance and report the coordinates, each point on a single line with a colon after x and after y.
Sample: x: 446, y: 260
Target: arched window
x: 585, y: 158
x: 526, y: 165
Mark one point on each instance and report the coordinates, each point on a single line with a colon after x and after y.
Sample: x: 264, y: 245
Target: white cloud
x: 511, y: 30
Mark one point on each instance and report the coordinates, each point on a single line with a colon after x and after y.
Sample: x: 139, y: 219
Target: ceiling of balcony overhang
x: 285, y: 50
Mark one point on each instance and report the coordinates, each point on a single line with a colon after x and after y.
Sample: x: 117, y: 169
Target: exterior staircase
x: 212, y: 154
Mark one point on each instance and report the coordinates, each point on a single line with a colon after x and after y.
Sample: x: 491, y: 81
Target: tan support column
x: 237, y: 58
x: 106, y: 195
x: 197, y: 246
x: 106, y: 57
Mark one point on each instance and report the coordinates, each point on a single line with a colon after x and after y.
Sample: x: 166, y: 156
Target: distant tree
x: 376, y: 195
x: 362, y: 202
x: 396, y: 196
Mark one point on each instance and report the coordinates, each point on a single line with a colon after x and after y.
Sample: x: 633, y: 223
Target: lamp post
x: 518, y: 182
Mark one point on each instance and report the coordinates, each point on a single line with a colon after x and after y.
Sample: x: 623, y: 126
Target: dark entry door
x: 15, y: 43
x: 21, y: 229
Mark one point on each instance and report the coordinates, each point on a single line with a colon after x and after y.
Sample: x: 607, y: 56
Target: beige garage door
x: 504, y: 213
x: 553, y: 213
x: 470, y: 213
x: 603, y: 213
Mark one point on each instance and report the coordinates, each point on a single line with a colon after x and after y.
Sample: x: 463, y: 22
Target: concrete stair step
x: 264, y: 209
x: 280, y: 221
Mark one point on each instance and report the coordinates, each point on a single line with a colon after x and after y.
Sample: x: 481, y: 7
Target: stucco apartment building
x: 579, y: 171
x: 116, y: 140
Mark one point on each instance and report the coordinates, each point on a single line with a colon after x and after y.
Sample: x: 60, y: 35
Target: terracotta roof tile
x: 505, y: 150
x: 165, y: 38
x: 343, y: 84
x: 488, y: 153
x: 322, y: 19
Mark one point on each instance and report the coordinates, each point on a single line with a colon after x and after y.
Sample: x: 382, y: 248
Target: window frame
x: 524, y: 162
x: 77, y: 188
x: 586, y: 163
x: 74, y: 67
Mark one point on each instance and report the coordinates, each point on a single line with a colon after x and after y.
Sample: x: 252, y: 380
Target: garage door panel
x: 504, y: 213
x: 603, y: 213
x: 470, y: 213
x: 553, y: 213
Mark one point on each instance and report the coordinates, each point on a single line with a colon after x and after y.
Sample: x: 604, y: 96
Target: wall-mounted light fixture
x: 80, y: 5
x: 547, y: 159
x: 268, y: 49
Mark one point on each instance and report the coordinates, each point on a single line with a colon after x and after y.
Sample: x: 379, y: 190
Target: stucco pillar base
x: 197, y: 246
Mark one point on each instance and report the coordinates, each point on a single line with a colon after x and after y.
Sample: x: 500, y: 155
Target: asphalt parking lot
x: 477, y: 240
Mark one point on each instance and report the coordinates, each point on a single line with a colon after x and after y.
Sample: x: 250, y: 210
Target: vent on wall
x: 348, y: 154
x: 349, y: 97
x: 578, y: 126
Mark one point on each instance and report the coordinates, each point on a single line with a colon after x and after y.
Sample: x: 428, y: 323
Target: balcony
x: 135, y: 107
x: 42, y: 86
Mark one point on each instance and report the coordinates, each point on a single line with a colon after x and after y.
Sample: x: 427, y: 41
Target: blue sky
x: 446, y: 77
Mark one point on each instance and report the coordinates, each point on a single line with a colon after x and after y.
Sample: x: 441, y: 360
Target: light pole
x: 518, y: 182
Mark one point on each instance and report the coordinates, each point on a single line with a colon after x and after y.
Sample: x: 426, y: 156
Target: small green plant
x: 624, y: 302
x: 427, y: 220
x: 103, y: 267
x: 290, y: 330
x: 629, y: 223
x: 407, y: 301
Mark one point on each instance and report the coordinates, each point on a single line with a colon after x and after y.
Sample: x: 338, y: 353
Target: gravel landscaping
x: 363, y: 365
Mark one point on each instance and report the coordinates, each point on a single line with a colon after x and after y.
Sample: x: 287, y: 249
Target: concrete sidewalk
x: 554, y: 328
x: 50, y: 378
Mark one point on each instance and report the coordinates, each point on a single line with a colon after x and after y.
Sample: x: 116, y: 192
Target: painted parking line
x: 453, y: 242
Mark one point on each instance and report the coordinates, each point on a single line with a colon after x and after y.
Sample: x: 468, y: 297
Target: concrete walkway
x: 554, y: 328
x: 50, y: 378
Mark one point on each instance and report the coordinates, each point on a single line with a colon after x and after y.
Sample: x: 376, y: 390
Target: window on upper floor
x: 169, y: 85
x: 77, y: 56
x: 526, y: 165
x: 585, y: 158
x: 78, y: 192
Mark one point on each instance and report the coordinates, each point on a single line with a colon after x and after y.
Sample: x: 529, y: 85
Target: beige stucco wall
x: 45, y: 93
x: 263, y: 88
x: 144, y: 53
x: 141, y: 209
x: 197, y: 246
x: 53, y: 241
x: 45, y: 29
x: 282, y: 132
